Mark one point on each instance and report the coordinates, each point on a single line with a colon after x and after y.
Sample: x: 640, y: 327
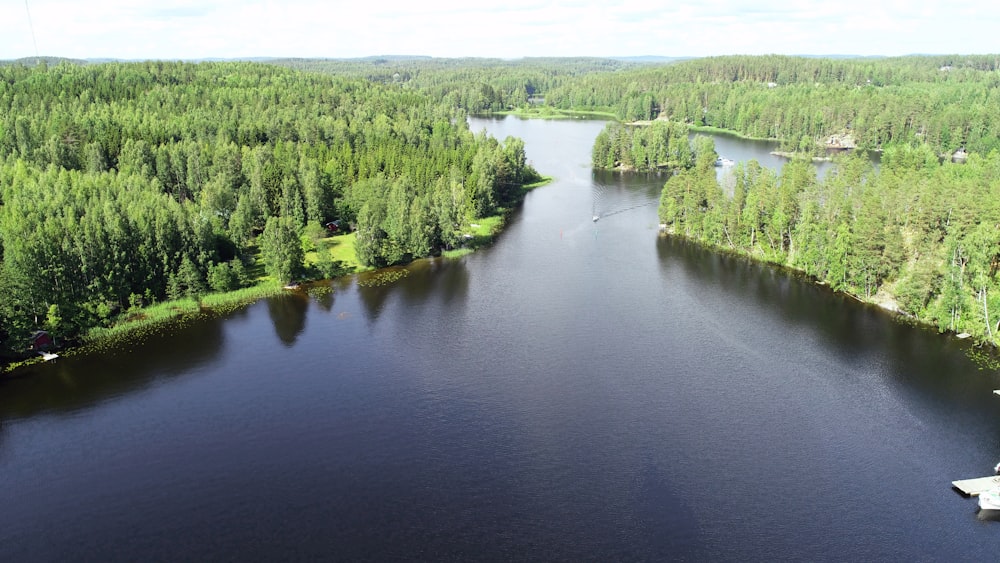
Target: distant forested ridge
x: 125, y: 184
x: 474, y: 85
x: 946, y: 102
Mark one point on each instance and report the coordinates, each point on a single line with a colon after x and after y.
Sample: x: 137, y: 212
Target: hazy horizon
x: 231, y: 29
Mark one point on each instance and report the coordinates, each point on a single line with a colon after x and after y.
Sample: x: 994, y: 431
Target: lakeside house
x: 40, y: 340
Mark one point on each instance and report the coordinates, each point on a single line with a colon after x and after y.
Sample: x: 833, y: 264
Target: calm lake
x: 578, y: 391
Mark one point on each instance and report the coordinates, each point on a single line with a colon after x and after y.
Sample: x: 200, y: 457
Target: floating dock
x: 972, y: 487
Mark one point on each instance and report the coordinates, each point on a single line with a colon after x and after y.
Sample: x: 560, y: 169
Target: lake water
x: 577, y: 391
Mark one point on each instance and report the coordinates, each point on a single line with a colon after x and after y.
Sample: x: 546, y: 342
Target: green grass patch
x: 341, y: 248
x: 232, y: 300
x: 545, y: 180
x: 477, y: 234
x: 332, y: 257
x: 458, y: 252
x: 486, y: 226
x: 136, y: 322
x: 163, y: 311
x: 481, y: 232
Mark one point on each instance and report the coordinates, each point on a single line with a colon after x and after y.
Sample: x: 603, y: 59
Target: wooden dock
x: 972, y: 487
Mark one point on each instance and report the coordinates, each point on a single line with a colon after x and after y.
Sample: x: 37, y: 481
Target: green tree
x: 281, y: 249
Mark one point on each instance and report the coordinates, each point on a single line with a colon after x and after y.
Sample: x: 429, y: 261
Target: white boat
x: 990, y: 500
x: 596, y: 217
x: 723, y: 161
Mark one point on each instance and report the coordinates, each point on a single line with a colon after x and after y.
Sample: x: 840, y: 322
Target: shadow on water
x: 92, y: 376
x: 374, y: 296
x: 323, y: 296
x: 288, y: 314
x: 424, y: 280
x: 937, y: 367
x: 436, y: 278
x: 82, y: 380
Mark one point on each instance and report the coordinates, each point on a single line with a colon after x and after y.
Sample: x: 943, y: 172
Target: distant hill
x: 384, y: 59
x: 841, y: 56
x: 201, y: 60
x: 32, y: 61
x: 651, y: 59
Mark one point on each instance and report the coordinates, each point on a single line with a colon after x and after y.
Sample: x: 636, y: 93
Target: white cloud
x: 512, y: 28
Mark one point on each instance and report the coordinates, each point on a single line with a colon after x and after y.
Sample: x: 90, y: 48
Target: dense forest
x: 122, y: 185
x: 126, y: 184
x: 474, y: 85
x: 661, y: 144
x: 919, y: 235
x: 946, y: 102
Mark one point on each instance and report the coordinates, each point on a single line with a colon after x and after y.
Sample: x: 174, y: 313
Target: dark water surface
x: 579, y: 391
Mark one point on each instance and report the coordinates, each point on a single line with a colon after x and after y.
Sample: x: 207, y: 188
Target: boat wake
x: 622, y: 210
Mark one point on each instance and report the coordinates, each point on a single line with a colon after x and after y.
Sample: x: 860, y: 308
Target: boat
x: 596, y: 217
x: 990, y: 500
x: 723, y: 161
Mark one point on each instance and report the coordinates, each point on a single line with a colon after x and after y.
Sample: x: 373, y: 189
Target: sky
x: 194, y: 29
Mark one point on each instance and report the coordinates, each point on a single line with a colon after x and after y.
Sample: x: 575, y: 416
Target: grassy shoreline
x: 141, y: 322
x: 144, y: 322
x: 481, y: 232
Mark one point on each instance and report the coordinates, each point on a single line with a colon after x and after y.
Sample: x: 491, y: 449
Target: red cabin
x: 41, y: 340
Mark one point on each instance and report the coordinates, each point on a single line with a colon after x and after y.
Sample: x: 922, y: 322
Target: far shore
x: 790, y: 155
x: 546, y: 112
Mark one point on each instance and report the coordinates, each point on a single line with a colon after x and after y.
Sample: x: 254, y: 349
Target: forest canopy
x: 126, y: 184
x: 945, y: 101
x: 917, y: 235
x: 920, y: 233
x: 122, y: 185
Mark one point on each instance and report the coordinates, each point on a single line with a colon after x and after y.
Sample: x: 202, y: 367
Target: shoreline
x: 553, y: 113
x: 885, y: 302
x: 483, y: 232
x: 791, y: 155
